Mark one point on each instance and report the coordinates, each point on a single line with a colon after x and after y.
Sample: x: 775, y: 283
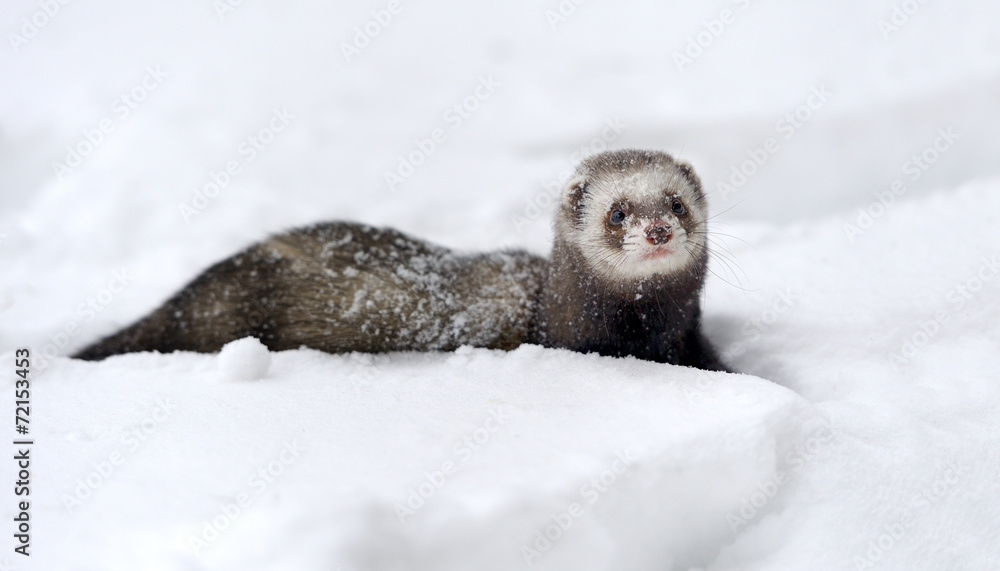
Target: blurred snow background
x: 867, y: 433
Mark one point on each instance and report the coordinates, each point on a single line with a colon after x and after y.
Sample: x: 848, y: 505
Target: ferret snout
x: 658, y: 233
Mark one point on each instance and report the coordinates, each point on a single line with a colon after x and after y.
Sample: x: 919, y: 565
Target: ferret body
x: 625, y: 278
x: 341, y: 287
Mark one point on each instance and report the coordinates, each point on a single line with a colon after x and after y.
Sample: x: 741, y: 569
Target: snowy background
x: 856, y: 284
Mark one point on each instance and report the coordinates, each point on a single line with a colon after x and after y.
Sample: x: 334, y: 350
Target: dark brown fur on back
x: 340, y: 287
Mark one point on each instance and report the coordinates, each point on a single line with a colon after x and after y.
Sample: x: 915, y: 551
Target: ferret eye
x: 677, y: 207
x: 617, y: 217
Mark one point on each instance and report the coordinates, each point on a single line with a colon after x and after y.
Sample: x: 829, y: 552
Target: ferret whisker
x: 715, y: 234
x: 717, y: 214
x: 722, y: 253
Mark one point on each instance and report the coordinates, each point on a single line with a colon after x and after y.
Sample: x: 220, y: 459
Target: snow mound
x: 245, y: 359
x: 536, y: 457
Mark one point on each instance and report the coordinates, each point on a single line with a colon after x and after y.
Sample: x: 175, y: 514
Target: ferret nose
x: 658, y: 233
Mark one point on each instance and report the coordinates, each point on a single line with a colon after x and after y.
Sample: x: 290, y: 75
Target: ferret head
x: 634, y: 214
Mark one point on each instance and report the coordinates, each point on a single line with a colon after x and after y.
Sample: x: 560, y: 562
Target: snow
x: 245, y: 359
x: 861, y: 433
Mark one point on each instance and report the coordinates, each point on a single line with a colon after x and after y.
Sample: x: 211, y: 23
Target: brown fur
x: 340, y: 287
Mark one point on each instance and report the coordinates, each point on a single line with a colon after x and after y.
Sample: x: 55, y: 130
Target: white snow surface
x: 244, y: 359
x: 862, y: 432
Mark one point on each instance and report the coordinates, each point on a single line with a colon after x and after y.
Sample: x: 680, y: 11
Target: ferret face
x: 635, y: 214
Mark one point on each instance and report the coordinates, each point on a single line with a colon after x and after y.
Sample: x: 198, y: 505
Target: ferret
x: 629, y: 261
x: 625, y: 278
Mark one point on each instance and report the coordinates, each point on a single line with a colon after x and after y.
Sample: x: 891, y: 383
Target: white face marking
x: 636, y: 257
x: 641, y: 259
x: 651, y: 240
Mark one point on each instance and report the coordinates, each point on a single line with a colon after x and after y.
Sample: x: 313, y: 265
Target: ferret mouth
x: 656, y: 253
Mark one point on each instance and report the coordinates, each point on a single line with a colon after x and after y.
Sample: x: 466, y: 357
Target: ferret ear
x: 688, y: 171
x: 575, y: 191
x: 573, y: 197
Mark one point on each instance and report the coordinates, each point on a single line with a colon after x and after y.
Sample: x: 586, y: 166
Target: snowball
x: 245, y: 359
